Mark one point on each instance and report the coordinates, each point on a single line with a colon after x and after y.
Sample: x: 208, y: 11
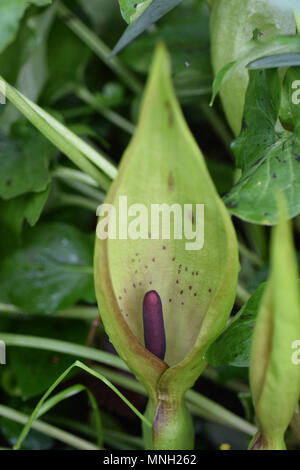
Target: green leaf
x: 269, y: 158
x: 24, y: 163
x: 33, y: 372
x: 13, y: 213
x: 52, y: 269
x: 155, y: 10
x: 11, y: 12
x: 132, y: 9
x: 233, y: 346
x: 31, y: 48
x: 34, y: 206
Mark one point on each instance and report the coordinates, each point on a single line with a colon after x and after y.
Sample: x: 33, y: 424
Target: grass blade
x: 82, y: 366
x: 64, y: 347
x: 77, y: 150
x: 48, y: 429
x: 68, y: 393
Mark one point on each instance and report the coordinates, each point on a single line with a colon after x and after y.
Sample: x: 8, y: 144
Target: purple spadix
x: 154, y: 329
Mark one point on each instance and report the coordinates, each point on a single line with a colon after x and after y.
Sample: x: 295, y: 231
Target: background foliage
x: 48, y: 317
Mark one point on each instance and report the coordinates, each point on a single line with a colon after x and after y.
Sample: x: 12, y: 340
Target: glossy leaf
x: 233, y: 346
x: 14, y: 212
x: 269, y: 158
x: 24, y: 163
x: 11, y: 12
x: 132, y: 9
x: 33, y: 372
x: 52, y: 269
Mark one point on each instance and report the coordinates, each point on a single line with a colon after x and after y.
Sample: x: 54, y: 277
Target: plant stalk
x: 172, y: 425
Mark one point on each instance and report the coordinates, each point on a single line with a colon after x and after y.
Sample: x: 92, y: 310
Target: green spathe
x: 197, y: 288
x: 274, y: 377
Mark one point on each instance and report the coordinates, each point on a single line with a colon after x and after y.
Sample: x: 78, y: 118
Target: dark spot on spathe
x: 170, y: 113
x: 171, y: 181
